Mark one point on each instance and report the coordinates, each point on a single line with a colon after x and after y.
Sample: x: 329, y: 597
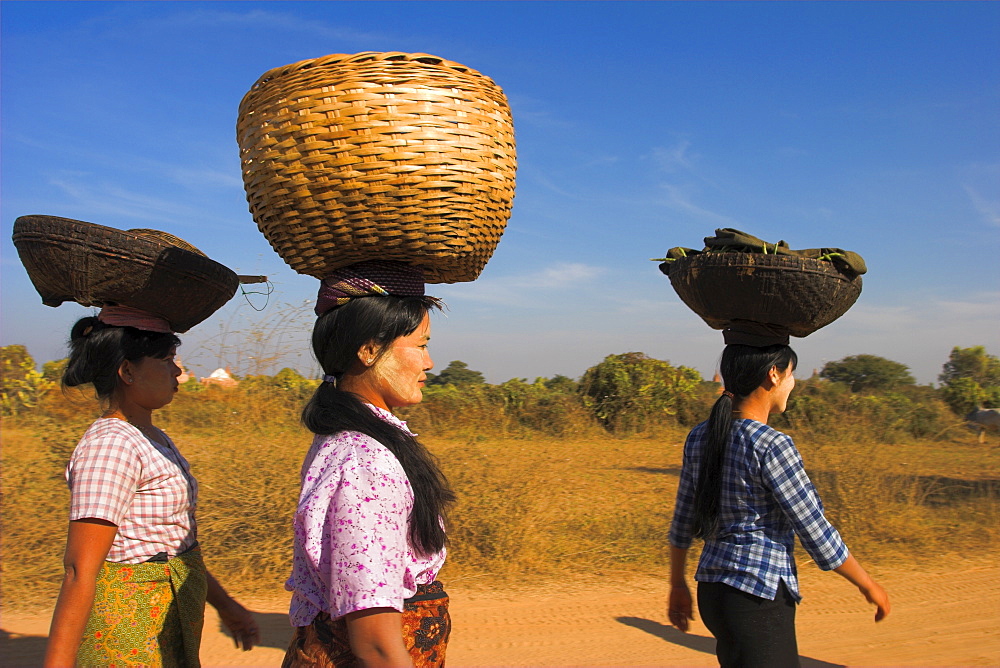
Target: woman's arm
x: 87, y: 547
x: 235, y: 617
x: 376, y: 637
x: 872, y: 591
x: 784, y: 472
x: 679, y: 607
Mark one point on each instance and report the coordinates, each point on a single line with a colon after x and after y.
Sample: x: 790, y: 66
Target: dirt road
x: 944, y: 618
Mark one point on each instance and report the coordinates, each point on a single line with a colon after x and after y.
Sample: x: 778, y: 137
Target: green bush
x: 21, y: 386
x: 633, y: 393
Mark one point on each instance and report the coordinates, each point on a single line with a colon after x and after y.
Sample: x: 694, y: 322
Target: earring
x: 371, y: 360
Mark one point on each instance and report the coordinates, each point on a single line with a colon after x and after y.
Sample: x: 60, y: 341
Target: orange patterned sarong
x: 426, y: 628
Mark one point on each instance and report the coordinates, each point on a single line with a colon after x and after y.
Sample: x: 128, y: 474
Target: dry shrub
x: 245, y: 446
x: 35, y: 503
x: 514, y: 409
x: 544, y: 505
x: 887, y: 507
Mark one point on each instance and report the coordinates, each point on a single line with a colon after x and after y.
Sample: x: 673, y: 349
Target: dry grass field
x: 563, y: 535
x: 533, y: 506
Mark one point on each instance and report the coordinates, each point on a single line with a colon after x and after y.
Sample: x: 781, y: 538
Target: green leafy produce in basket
x: 729, y: 240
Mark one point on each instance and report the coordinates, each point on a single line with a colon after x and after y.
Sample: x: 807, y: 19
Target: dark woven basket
x: 792, y: 294
x: 94, y: 265
x: 379, y: 156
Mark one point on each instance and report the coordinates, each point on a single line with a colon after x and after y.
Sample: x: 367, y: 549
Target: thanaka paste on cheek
x: 389, y: 373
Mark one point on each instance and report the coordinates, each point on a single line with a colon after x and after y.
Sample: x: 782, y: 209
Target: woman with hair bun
x: 369, y: 528
x: 135, y: 586
x: 745, y: 492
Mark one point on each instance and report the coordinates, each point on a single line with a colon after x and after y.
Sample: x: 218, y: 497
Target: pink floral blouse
x: 351, y: 547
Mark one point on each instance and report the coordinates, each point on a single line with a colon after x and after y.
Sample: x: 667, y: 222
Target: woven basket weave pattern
x: 94, y: 265
x: 386, y: 156
x: 796, y: 294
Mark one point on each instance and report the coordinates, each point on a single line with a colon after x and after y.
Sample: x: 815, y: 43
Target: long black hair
x: 97, y: 351
x: 743, y: 370
x: 337, y: 336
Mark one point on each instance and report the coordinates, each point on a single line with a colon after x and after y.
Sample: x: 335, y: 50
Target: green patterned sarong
x: 148, y: 614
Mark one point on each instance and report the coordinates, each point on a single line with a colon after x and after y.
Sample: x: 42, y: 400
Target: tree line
x: 628, y: 393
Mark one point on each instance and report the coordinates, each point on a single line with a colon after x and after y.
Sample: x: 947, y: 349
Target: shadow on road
x: 699, y: 643
x: 17, y: 650
x: 275, y: 631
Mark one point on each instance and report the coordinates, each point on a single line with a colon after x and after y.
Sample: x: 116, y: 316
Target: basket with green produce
x: 760, y: 292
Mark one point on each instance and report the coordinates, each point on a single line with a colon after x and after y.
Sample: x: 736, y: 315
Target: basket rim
x: 362, y: 57
x: 759, y: 260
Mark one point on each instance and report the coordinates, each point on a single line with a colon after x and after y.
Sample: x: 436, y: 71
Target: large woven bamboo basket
x: 797, y: 295
x: 94, y: 265
x: 391, y: 156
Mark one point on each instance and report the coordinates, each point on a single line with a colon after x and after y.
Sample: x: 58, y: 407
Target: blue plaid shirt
x: 767, y: 499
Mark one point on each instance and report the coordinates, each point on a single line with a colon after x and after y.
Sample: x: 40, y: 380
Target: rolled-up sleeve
x: 102, y: 475
x: 784, y: 473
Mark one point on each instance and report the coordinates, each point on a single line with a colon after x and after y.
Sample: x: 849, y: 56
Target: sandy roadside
x: 943, y: 618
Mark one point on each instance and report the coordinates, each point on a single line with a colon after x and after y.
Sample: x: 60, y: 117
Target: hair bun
x: 84, y: 327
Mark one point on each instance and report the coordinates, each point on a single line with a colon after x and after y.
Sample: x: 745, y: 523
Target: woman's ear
x: 367, y: 353
x: 773, y: 378
x: 125, y: 372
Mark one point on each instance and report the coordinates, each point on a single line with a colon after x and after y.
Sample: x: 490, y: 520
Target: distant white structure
x: 185, y: 376
x: 221, y: 377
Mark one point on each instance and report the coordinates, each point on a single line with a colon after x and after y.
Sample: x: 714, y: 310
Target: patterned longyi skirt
x: 149, y: 614
x: 426, y: 628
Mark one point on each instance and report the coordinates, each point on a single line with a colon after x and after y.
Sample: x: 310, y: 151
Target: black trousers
x: 750, y: 631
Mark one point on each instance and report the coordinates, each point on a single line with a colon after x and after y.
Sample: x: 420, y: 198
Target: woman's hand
x: 241, y: 624
x: 679, y: 607
x: 237, y: 619
x: 871, y: 590
x: 875, y: 595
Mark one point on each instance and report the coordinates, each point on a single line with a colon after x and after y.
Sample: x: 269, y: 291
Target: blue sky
x: 640, y: 126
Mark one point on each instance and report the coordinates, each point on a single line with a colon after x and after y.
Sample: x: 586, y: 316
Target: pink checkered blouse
x: 143, y: 487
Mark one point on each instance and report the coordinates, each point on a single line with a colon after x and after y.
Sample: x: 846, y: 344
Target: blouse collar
x: 387, y: 416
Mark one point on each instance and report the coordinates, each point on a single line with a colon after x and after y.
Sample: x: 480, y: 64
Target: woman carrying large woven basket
x: 135, y: 587
x: 743, y: 489
x: 369, y: 527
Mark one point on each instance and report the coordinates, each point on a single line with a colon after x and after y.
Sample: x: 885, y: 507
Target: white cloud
x: 268, y: 20
x: 195, y: 178
x: 95, y: 199
x: 680, y: 159
x: 918, y: 333
x: 988, y: 208
x: 530, y: 290
x: 532, y: 111
x: 679, y: 198
x: 675, y: 158
x: 926, y: 317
